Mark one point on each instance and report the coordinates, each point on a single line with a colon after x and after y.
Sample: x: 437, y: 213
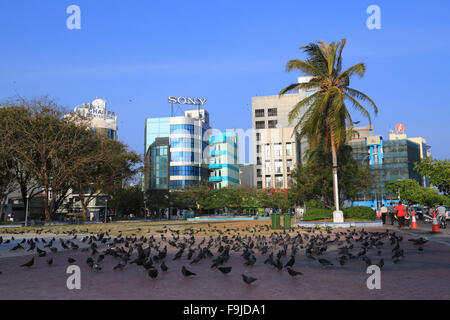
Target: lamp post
x: 26, y: 211
x: 106, y: 209
x: 363, y: 161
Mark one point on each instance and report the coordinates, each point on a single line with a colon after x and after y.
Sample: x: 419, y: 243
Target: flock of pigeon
x: 151, y: 253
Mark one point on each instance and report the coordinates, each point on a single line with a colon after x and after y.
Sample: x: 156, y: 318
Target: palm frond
x: 359, y: 107
x: 361, y: 96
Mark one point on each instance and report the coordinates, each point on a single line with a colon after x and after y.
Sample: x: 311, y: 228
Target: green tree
x: 126, y: 200
x: 313, y: 180
x: 438, y: 171
x: 326, y: 120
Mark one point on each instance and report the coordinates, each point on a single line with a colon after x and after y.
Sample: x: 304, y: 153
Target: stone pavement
x: 422, y: 275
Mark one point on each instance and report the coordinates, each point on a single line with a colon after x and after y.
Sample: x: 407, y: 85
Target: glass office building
x: 224, y: 160
x: 159, y: 164
x: 387, y: 161
x: 187, y: 140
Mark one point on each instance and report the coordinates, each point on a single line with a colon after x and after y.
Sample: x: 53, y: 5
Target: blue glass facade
x: 182, y: 157
x: 182, y: 128
x: 155, y: 128
x: 181, y: 184
x: 186, y: 146
x: 182, y: 143
x: 191, y: 171
x: 387, y: 161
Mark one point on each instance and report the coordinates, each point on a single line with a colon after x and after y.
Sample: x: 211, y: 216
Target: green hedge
x: 361, y: 213
x: 312, y: 214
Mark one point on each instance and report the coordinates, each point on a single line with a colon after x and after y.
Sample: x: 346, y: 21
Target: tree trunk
x: 46, y: 206
x: 335, y: 176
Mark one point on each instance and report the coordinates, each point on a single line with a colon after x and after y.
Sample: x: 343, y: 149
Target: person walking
x: 441, y: 212
x: 400, y: 213
x: 391, y: 212
x: 384, y: 212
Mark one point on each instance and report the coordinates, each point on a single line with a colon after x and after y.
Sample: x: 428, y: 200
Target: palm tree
x: 323, y: 117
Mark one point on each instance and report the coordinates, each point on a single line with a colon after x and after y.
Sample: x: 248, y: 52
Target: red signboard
x: 400, y: 127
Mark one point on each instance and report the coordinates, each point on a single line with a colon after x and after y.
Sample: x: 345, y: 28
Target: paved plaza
x: 420, y: 275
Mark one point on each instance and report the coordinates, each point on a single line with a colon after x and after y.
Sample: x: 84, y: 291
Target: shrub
x: 313, y: 203
x: 362, y: 213
x: 312, y: 214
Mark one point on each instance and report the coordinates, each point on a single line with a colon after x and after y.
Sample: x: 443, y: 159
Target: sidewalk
x: 424, y: 230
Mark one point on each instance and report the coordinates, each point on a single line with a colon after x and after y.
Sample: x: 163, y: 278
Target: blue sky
x: 227, y: 52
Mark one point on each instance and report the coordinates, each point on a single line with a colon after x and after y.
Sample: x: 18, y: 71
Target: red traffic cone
x: 413, y: 221
x: 435, y: 223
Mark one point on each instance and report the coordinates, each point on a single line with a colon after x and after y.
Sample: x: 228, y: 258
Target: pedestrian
x: 384, y: 212
x: 391, y: 212
x: 441, y: 212
x: 400, y: 213
x: 407, y: 216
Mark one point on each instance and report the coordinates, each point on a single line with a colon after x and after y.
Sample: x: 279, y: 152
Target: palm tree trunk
x: 335, y: 176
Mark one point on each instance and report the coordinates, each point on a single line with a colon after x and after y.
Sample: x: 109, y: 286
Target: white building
x: 101, y: 120
x: 276, y: 148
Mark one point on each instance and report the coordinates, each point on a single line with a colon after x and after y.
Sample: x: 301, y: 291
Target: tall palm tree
x: 323, y: 117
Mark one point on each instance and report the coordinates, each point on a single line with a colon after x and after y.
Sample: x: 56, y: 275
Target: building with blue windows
x: 187, y: 141
x: 386, y: 160
x: 224, y: 162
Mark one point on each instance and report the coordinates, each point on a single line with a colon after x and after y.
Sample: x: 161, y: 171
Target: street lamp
x: 106, y: 209
x: 26, y: 211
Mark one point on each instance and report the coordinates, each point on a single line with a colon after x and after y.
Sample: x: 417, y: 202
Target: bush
x: 315, y: 204
x: 312, y: 214
x: 361, y: 213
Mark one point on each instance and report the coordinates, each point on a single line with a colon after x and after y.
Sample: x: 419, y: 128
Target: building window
x: 184, y: 171
x: 259, y: 184
x: 182, y: 143
x: 278, y: 181
x: 258, y: 136
x: 182, y: 157
x: 258, y: 173
x: 258, y: 148
x: 258, y: 161
x: 288, y: 149
x: 278, y: 166
x: 272, y: 112
x: 272, y: 124
x: 267, y: 150
x: 267, y: 167
x: 277, y: 149
x: 182, y: 128
x: 289, y: 165
x: 259, y: 113
x: 260, y: 125
x: 268, y: 182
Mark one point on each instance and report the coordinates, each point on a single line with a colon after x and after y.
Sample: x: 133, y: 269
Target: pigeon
x: 225, y: 270
x: 248, y: 280
x: 71, y: 260
x: 121, y: 265
x: 29, y: 263
x: 293, y: 273
x: 186, y: 272
x: 153, y: 273
x: 381, y: 263
x: 96, y: 267
x: 164, y: 267
x: 290, y: 263
x: 50, y: 261
x: 325, y: 262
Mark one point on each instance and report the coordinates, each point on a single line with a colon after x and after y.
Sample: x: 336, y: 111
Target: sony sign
x: 183, y: 100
